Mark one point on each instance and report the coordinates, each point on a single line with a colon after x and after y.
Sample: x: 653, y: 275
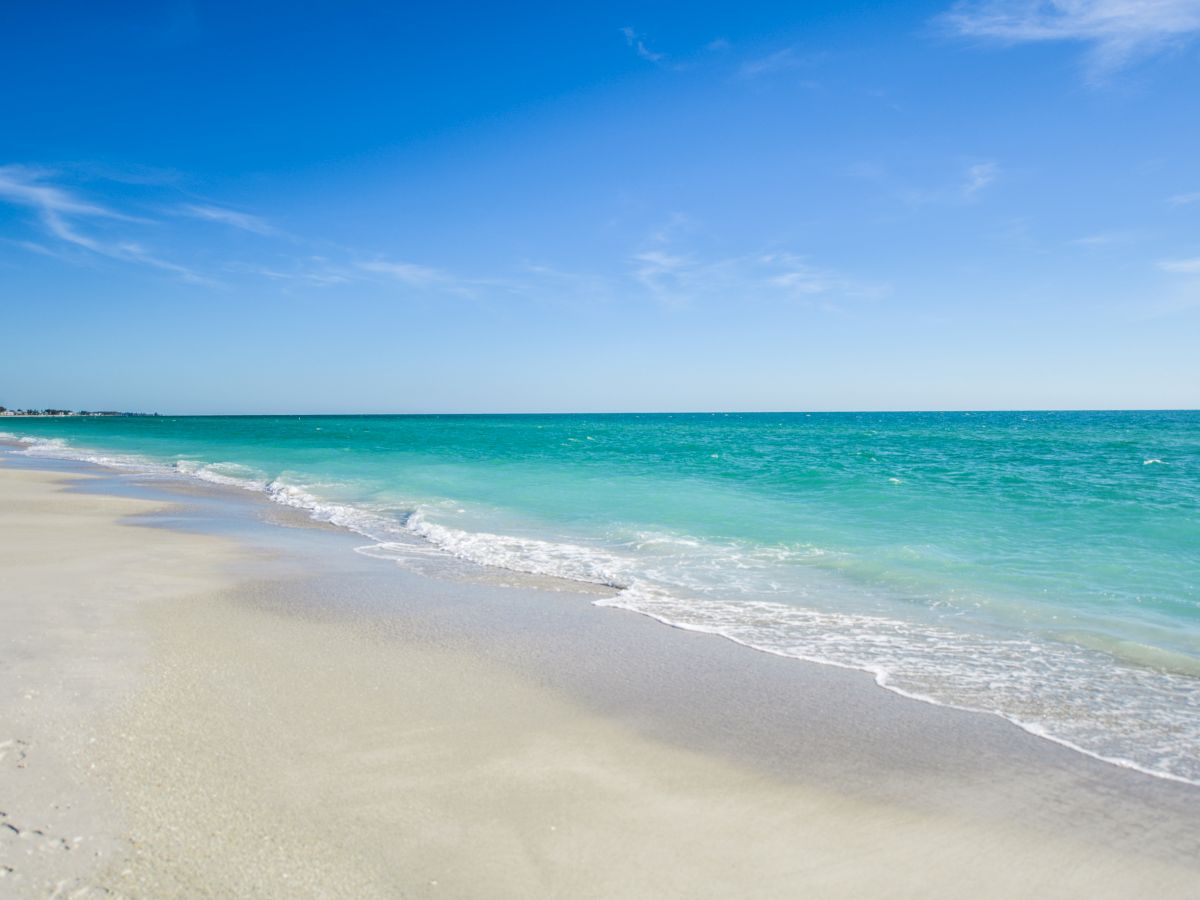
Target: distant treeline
x: 67, y: 412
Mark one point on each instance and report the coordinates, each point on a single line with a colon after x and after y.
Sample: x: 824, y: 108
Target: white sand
x: 167, y: 737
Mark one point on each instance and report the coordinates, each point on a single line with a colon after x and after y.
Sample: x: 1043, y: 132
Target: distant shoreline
x: 71, y: 414
x: 596, y: 413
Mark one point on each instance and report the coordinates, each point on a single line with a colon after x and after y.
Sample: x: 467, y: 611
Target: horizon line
x: 659, y: 412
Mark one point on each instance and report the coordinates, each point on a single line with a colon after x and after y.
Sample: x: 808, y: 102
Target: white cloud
x: 967, y: 186
x: 785, y: 60
x: 666, y: 268
x: 550, y: 284
x: 1181, y: 266
x: 321, y: 271
x: 1184, y: 199
x: 58, y: 209
x: 979, y: 176
x: 654, y: 264
x: 134, y: 252
x: 679, y: 279
x: 1117, y: 32
x: 635, y: 40
x: 428, y: 278
x: 77, y: 222
x: 794, y: 276
x: 233, y: 218
x: 408, y: 273
x: 26, y: 186
x: 310, y: 271
x: 779, y: 61
x: 54, y: 206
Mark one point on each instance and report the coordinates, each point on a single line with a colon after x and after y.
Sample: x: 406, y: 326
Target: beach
x: 688, y: 451
x: 209, y: 697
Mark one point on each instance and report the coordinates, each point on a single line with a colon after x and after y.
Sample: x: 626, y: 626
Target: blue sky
x: 210, y: 207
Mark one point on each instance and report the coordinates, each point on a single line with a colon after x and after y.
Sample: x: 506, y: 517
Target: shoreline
x: 734, y: 754
x: 350, y: 518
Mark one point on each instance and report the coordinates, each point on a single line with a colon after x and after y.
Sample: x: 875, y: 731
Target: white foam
x: 57, y: 448
x: 1132, y: 717
x: 527, y: 555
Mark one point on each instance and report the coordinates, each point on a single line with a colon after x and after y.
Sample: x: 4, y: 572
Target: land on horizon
x: 60, y: 413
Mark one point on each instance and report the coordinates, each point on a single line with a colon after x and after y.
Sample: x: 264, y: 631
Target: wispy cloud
x: 230, y: 217
x: 786, y: 60
x: 1184, y: 199
x: 638, y: 43
x: 313, y: 271
x: 557, y: 285
x: 135, y: 252
x: 667, y: 267
x: 434, y: 280
x: 60, y: 211
x: 966, y: 185
x: 960, y: 185
x: 29, y: 187
x: 663, y: 273
x: 407, y: 273
x: 978, y: 176
x: 32, y: 247
x: 680, y: 278
x: 1116, y: 32
x: 1181, y: 266
x: 66, y: 221
x: 778, y: 61
x: 794, y: 275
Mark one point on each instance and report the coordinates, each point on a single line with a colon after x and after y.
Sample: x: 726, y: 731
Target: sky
x: 350, y: 207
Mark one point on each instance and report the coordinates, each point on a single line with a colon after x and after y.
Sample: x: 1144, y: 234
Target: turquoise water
x: 1042, y: 566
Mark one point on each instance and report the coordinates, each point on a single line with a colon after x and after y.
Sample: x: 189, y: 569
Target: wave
x: 1135, y: 717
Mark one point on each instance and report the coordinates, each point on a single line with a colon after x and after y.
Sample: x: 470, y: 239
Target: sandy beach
x: 208, y: 698
x: 710, y: 451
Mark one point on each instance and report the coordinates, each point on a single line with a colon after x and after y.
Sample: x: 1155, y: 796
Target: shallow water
x: 1043, y: 566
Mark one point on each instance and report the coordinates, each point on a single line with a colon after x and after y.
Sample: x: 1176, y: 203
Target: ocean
x: 1041, y: 566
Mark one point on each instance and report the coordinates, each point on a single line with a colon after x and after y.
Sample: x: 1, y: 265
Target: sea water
x: 1042, y: 566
